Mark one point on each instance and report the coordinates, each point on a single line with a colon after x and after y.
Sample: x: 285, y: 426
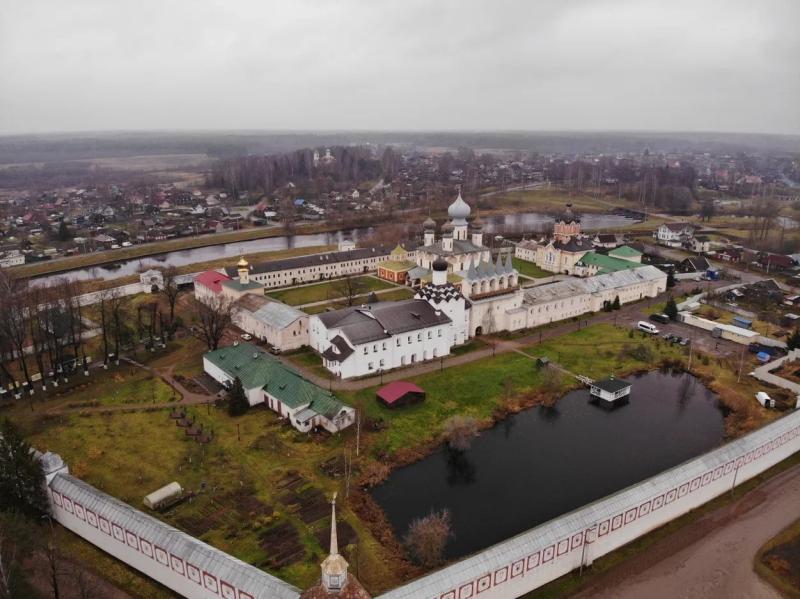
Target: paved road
x: 713, y: 557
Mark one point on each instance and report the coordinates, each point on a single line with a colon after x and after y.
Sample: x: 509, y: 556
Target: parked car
x: 662, y: 318
x: 274, y: 350
x: 247, y: 336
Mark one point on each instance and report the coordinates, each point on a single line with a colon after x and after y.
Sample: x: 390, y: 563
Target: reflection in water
x: 553, y: 460
x: 508, y: 224
x: 460, y: 470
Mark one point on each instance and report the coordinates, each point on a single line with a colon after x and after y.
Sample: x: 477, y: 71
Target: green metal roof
x: 606, y: 264
x: 625, y: 250
x: 256, y: 368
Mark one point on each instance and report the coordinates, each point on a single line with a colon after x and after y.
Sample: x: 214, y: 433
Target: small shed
x: 164, y: 497
x: 400, y: 393
x: 611, y: 390
x: 741, y: 321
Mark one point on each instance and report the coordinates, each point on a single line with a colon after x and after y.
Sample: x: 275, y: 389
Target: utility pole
x: 741, y: 363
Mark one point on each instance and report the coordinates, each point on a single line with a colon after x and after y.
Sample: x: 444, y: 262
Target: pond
x: 541, y: 463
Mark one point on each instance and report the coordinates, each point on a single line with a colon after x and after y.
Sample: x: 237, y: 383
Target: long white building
x: 573, y: 297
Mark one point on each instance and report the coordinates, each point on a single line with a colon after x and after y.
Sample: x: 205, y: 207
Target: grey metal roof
x: 460, y: 246
x: 225, y: 568
x: 572, y: 287
x: 380, y: 321
x: 611, y: 385
x: 610, y: 512
x: 321, y: 259
x: 274, y: 314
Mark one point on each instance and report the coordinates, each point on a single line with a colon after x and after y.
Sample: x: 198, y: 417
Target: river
x: 542, y: 463
x: 506, y: 224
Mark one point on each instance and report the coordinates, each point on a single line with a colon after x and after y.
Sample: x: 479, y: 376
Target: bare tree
x: 348, y: 288
x: 427, y: 537
x: 114, y: 313
x: 170, y: 290
x: 14, y: 315
x: 212, y: 317
x: 460, y: 430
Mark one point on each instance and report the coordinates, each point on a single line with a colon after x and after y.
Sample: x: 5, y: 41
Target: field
x: 553, y: 200
x: 529, y: 269
x: 331, y: 290
x: 262, y: 486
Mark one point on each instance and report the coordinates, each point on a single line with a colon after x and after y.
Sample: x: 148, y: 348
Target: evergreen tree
x: 671, y: 309
x: 615, y: 305
x: 22, y: 484
x: 63, y: 231
x: 670, y: 279
x: 793, y: 342
x: 237, y: 400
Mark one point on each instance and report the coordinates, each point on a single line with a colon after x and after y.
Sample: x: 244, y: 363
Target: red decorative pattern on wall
x: 91, y: 517
x: 210, y: 582
x: 576, y: 540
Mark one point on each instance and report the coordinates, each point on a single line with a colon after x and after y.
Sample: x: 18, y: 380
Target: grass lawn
x: 478, y: 388
x: 330, y: 290
x: 243, y: 468
x: 307, y: 359
x: 551, y: 200
x: 400, y: 293
x: 529, y: 269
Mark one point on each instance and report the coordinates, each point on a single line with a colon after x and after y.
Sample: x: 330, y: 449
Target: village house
x: 775, y: 262
x: 674, y: 234
x: 605, y: 240
x: 700, y: 244
x: 268, y: 381
x: 698, y: 264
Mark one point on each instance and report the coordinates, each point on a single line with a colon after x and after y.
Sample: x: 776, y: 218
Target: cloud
x: 594, y: 64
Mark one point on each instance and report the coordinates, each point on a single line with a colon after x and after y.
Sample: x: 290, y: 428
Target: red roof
x: 211, y: 279
x: 397, y: 389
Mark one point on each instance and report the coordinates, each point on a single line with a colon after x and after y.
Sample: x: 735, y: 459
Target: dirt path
x: 713, y: 557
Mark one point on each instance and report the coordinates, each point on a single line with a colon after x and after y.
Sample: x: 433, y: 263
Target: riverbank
x: 58, y: 265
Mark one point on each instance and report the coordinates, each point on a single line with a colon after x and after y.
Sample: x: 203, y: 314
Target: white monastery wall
x: 542, y: 554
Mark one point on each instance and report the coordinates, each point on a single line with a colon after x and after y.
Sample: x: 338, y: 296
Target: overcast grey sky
x: 707, y: 65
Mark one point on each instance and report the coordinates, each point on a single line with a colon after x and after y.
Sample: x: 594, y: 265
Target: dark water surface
x: 542, y: 463
x: 509, y: 224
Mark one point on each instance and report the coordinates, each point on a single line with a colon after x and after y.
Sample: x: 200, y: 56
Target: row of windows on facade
x: 288, y: 274
x: 404, y: 360
x: 398, y: 341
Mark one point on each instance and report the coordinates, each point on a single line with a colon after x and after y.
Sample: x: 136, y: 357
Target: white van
x: 647, y: 327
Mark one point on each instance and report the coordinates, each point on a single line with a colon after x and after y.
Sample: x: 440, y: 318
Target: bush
x: 460, y: 430
x: 237, y: 400
x: 426, y: 538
